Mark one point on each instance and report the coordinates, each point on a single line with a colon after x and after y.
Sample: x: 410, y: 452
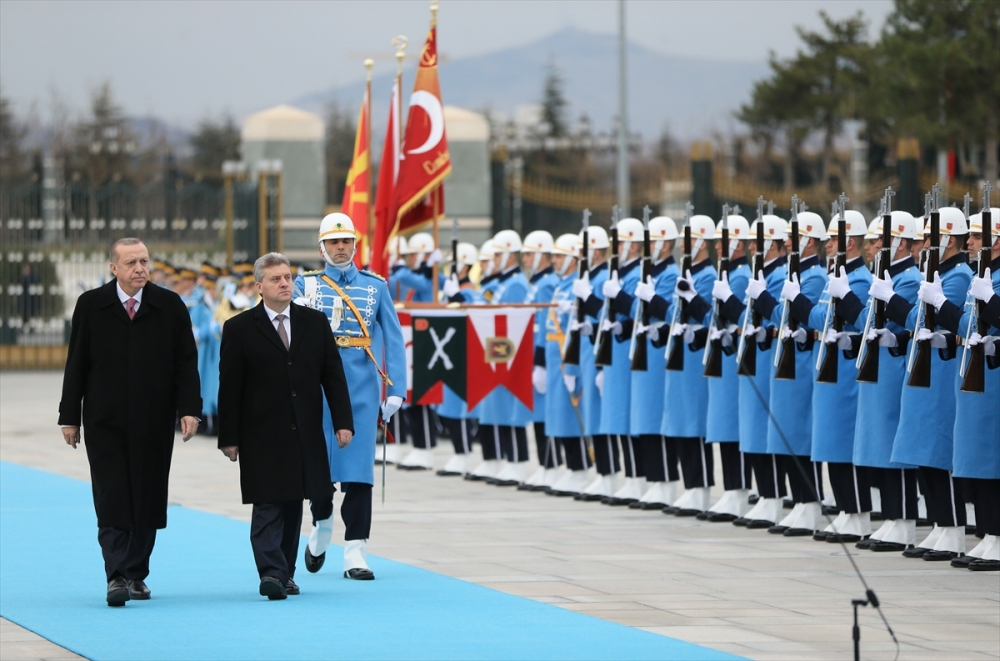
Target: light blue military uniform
x: 723, y: 392
x: 500, y: 407
x: 560, y: 417
x: 399, y: 291
x: 646, y: 414
x: 618, y: 375
x: 591, y: 401
x: 541, y: 288
x: 370, y: 295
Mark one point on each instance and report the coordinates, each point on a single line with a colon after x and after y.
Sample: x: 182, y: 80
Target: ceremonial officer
x: 367, y: 330
x: 563, y: 384
x: 589, y: 291
x: 931, y: 447
x: 618, y: 291
x: 768, y: 470
x: 723, y: 391
x: 657, y: 453
x: 834, y: 405
x: 500, y: 411
x: 453, y: 412
x: 976, y: 458
x: 536, y: 259
x: 685, y: 405
x: 879, y: 402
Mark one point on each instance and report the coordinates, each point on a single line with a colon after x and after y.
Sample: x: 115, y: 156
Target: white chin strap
x: 767, y: 245
x: 733, y: 245
x: 565, y: 267
x: 489, y: 268
x: 657, y: 247
x: 623, y: 249
x: 896, y: 240
x: 536, y: 261
x: 944, y: 245
x: 329, y: 260
x: 696, y: 248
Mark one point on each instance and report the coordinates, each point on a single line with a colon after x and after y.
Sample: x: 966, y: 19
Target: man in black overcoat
x: 278, y: 361
x: 131, y: 370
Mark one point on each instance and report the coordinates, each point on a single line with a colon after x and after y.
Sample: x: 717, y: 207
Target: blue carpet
x: 205, y: 603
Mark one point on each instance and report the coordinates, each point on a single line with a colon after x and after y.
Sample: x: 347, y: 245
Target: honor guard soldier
x: 756, y: 340
x: 208, y: 349
x: 619, y: 291
x: 685, y: 406
x: 977, y: 426
x: 589, y: 291
x: 657, y: 453
x: 453, y: 412
x: 722, y: 426
x: 397, y: 253
x: 879, y: 396
x: 562, y: 387
x: 367, y: 330
x: 931, y: 447
x: 500, y: 411
x: 536, y: 259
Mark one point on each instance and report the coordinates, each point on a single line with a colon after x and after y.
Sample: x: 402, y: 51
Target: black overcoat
x: 271, y: 403
x: 127, y: 381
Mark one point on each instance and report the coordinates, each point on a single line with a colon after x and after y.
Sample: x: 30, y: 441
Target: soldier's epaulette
x: 317, y: 272
x: 372, y: 274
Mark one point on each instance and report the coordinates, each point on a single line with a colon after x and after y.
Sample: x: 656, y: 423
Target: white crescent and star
x: 432, y: 106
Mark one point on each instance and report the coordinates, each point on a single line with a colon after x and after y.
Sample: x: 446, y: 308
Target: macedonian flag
x: 358, y: 186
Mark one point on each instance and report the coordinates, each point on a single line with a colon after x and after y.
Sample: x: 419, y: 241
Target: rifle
x: 784, y: 354
x: 746, y: 354
x: 868, y: 356
x: 974, y: 358
x: 713, y: 354
x: 571, y: 356
x: 919, y: 364
x: 675, y: 344
x: 827, y: 363
x: 454, y: 247
x: 603, y: 353
x: 638, y: 350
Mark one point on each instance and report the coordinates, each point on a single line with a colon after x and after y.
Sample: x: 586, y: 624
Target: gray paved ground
x: 744, y: 592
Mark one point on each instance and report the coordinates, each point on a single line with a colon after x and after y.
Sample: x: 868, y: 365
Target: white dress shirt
x: 123, y: 297
x: 271, y: 314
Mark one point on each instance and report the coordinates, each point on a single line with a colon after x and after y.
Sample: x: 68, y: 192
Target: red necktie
x: 130, y: 307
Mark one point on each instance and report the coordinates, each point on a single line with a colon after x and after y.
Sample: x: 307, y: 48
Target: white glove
x: 841, y: 339
x: 685, y: 288
x: 583, y: 326
x: 301, y: 300
x: 937, y: 340
x: 932, y: 293
x: 613, y: 326
x: 756, y: 286
x: 390, y: 406
x: 791, y: 288
x: 565, y: 306
x: 982, y: 288
x: 799, y: 334
x: 683, y: 331
x: 652, y: 332
x: 838, y: 287
x: 582, y: 289
x: 989, y: 344
x: 644, y: 290
x: 538, y: 376
x: 434, y: 258
x: 882, y: 288
x: 612, y: 286
x: 599, y: 382
x: 721, y: 290
x: 886, y: 338
x: 451, y: 286
x: 570, y: 382
x: 720, y: 334
x: 758, y: 334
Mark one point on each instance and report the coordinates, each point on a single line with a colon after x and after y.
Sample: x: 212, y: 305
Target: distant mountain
x: 693, y: 96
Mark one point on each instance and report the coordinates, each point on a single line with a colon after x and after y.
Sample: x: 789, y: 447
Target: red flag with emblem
x: 500, y: 352
x: 357, y: 189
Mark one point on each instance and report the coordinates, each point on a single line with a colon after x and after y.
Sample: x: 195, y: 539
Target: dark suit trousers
x: 275, y: 529
x: 126, y: 553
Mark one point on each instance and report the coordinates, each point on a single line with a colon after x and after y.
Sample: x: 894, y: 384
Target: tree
x: 340, y: 134
x: 12, y: 134
x: 554, y: 104
x: 213, y: 143
x: 104, y: 143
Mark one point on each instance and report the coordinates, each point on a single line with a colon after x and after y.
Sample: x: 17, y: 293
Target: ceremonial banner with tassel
x: 388, y: 170
x: 357, y: 190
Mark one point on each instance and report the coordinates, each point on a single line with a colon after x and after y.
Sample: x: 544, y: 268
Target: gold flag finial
x: 434, y: 14
x: 400, y: 42
x: 369, y: 63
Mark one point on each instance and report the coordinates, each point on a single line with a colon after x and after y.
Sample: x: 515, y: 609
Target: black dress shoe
x: 913, y: 552
x: 981, y: 564
x: 652, y: 506
x: 865, y: 543
x: 314, y: 562
x: 137, y: 589
x: 292, y: 588
x: 757, y: 524
x: 741, y: 521
x: 880, y: 546
x: 940, y: 556
x: 622, y: 502
x: 537, y: 487
x: 720, y: 517
x: 702, y: 516
x: 821, y: 535
x: 636, y: 505
x: 588, y: 497
x: 796, y: 532
x: 117, y: 592
x: 669, y: 509
x: 444, y: 473
x: 360, y: 574
x: 505, y: 483
x: 962, y: 561
x: 687, y: 512
x: 522, y: 487
x: 775, y: 529
x: 837, y: 538
x: 272, y: 588
x: 752, y: 500
x: 475, y: 478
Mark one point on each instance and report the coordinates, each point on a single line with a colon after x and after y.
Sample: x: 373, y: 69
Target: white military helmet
x: 467, y: 254
x: 336, y: 226
x: 902, y: 225
x: 976, y: 222
x: 661, y: 230
x: 421, y: 244
x: 540, y: 243
x: 629, y: 231
x: 597, y: 237
x: 775, y: 229
x: 953, y: 222
x: 811, y: 225
x: 702, y: 229
x: 739, y: 230
x: 398, y: 247
x: 569, y: 245
x: 856, y: 225
x: 505, y: 242
x: 486, y: 253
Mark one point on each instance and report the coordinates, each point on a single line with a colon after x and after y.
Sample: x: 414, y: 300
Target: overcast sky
x: 186, y: 60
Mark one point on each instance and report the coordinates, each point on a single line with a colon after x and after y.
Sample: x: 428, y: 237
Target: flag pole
x: 434, y: 198
x: 369, y: 241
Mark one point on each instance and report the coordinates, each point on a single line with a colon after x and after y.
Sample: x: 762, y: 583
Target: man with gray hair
x: 131, y: 370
